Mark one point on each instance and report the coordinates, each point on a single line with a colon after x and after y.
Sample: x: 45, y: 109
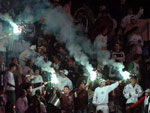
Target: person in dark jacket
x: 66, y: 100
x: 81, y: 99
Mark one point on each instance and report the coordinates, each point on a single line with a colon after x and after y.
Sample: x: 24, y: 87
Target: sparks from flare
x: 17, y: 29
x: 126, y: 75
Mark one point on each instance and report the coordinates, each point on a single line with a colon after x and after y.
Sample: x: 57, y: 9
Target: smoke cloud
x: 56, y: 21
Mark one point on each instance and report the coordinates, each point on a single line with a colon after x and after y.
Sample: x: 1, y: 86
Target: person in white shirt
x: 118, y: 54
x: 22, y: 102
x: 28, y: 53
x: 145, y: 101
x: 37, y: 81
x: 136, y: 38
x: 10, y: 84
x: 132, y: 92
x: 63, y: 80
x: 126, y: 20
x: 100, y: 98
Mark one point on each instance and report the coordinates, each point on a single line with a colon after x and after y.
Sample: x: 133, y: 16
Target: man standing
x: 81, y: 99
x: 100, y: 98
x: 66, y: 100
x: 63, y: 80
x: 132, y: 92
x: 2, y: 69
x: 10, y: 84
x: 37, y: 81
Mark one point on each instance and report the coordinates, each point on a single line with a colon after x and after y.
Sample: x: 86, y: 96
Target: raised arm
x: 113, y: 86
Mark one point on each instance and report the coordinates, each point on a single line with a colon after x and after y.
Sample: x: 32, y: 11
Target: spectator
x: 3, y: 46
x: 100, y: 98
x: 66, y: 100
x: 103, y: 23
x: 57, y: 62
x: 10, y: 84
x: 134, y: 67
x: 28, y: 68
x: 90, y: 98
x: 136, y: 39
x: 2, y: 70
x: 131, y: 54
x: 81, y: 99
x: 145, y: 101
x: 22, y: 102
x: 29, y: 98
x: 132, y: 92
x: 40, y: 97
x: 117, y: 54
x: 18, y: 72
x: 127, y: 19
x: 37, y: 80
x: 38, y: 106
x: 100, y: 43
x: 67, y: 7
x: 114, y: 98
x: 27, y: 54
x: 63, y: 80
x: 3, y: 99
x: 27, y: 81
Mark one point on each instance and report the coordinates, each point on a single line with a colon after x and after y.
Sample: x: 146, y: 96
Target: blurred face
x: 28, y: 79
x: 13, y: 68
x: 133, y: 81
x: 63, y: 75
x: 61, y: 50
x: 15, y: 61
x: 103, y: 84
x: 37, y: 72
x: 56, y: 59
x: 66, y: 90
x: 30, y: 89
x: 117, y: 47
x: 82, y: 85
x: 108, y: 82
x: 147, y: 94
x: 70, y: 63
x: 31, y: 63
x: 134, y: 49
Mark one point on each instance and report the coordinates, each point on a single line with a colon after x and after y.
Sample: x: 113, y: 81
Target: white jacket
x: 129, y: 89
x: 101, y: 94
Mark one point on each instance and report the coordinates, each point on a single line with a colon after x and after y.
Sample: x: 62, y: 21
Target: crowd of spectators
x: 24, y: 87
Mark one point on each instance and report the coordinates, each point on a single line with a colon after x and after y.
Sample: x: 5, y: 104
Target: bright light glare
x: 126, y: 75
x: 16, y: 29
x: 93, y: 75
x: 54, y: 78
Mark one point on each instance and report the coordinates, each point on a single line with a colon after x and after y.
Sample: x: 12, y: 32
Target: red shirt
x: 81, y: 102
x: 67, y: 102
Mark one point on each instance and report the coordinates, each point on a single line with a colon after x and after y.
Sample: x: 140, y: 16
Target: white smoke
x: 60, y: 24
